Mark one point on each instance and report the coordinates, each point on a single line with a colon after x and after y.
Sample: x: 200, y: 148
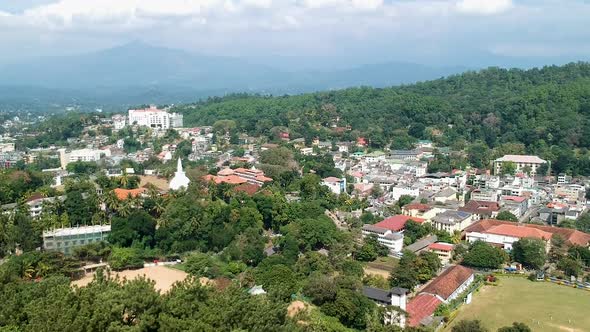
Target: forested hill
x: 541, y: 111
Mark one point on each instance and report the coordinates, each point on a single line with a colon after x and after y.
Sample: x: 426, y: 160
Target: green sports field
x: 541, y: 305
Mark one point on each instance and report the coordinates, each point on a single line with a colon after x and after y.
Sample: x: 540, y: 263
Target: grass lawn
x: 543, y: 306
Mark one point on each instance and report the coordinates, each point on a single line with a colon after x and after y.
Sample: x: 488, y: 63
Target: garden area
x: 541, y: 305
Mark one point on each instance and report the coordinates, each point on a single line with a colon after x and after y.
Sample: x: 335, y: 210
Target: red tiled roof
x: 441, y: 246
x: 571, y: 236
x: 248, y: 188
x: 263, y: 178
x: 517, y: 199
x: 417, y: 206
x: 231, y: 179
x: 479, y: 207
x: 421, y: 307
x: 332, y: 179
x: 519, y: 231
x: 445, y: 284
x: 35, y: 196
x: 226, y: 171
x: 397, y: 222
x: 123, y: 194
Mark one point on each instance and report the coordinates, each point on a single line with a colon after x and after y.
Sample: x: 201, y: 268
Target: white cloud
x: 484, y: 7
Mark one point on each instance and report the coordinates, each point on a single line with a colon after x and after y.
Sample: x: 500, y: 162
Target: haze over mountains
x: 139, y: 73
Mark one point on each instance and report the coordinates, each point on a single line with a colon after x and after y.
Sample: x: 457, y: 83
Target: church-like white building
x: 180, y: 180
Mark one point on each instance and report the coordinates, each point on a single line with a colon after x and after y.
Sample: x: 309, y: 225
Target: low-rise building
x: 481, y: 209
x: 504, y: 234
x: 336, y: 185
x: 443, y: 250
x: 396, y: 297
x: 66, y: 239
x: 452, y: 221
x: 446, y: 287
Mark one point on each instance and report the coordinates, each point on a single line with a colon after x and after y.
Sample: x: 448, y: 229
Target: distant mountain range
x: 139, y: 73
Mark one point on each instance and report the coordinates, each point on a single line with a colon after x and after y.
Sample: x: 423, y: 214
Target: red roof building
x: 441, y: 246
x: 516, y: 230
x: 247, y: 188
x: 420, y: 307
x: 449, y: 284
x: 397, y: 223
x: 123, y: 194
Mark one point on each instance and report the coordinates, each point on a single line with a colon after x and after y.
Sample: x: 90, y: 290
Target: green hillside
x: 539, y: 111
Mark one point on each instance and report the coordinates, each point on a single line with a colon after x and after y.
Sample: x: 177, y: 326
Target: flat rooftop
x: 78, y: 230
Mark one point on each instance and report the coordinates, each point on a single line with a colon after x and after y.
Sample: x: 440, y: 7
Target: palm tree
x: 111, y: 202
x: 124, y: 180
x: 125, y: 208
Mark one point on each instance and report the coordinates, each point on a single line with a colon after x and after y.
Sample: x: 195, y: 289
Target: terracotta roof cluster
x: 420, y: 307
x: 397, y: 223
x: 123, y: 194
x: 571, y: 236
x: 447, y: 282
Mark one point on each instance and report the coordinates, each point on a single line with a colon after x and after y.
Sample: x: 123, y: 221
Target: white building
x: 397, y: 192
x: 66, y: 157
x: 392, y: 240
x: 6, y: 147
x: 394, y: 297
x: 336, y: 185
x: 520, y: 161
x: 155, y: 118
x: 119, y: 121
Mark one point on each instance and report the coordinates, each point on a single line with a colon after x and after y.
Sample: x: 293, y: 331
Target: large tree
x: 530, y: 252
x: 483, y: 255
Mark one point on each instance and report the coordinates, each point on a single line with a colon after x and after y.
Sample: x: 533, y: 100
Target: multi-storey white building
x: 155, y: 118
x: 392, y: 240
x: 66, y: 157
x: 520, y: 161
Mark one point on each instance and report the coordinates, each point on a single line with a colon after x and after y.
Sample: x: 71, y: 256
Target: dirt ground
x: 164, y: 276
x: 379, y: 272
x: 160, y: 183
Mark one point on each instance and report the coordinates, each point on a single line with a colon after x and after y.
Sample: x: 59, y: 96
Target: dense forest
x: 539, y: 111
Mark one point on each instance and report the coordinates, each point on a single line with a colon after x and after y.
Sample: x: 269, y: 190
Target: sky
x: 450, y: 32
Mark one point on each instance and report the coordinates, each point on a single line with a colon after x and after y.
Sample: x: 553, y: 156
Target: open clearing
x: 164, y: 276
x: 541, y: 305
x: 381, y: 266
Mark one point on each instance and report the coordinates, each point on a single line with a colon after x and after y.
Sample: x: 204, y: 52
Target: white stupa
x: 179, y: 180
